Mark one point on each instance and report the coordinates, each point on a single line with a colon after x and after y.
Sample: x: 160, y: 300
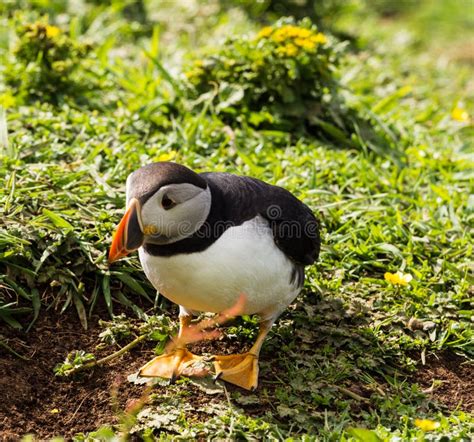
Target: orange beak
x: 128, y: 236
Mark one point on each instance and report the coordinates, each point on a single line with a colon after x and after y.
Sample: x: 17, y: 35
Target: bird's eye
x: 167, y: 203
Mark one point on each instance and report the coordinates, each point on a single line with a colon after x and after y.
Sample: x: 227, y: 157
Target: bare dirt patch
x: 448, y: 379
x: 33, y: 400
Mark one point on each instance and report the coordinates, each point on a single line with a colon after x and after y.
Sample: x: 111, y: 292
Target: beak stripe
x: 128, y: 236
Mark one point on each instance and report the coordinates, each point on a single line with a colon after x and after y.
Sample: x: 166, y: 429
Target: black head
x: 166, y: 202
x: 145, y: 181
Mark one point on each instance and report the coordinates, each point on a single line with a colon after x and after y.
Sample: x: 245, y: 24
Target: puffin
x: 204, y: 240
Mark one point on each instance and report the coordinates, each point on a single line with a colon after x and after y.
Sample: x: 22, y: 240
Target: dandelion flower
x: 302, y: 33
x: 279, y: 35
x: 289, y: 50
x: 52, y: 31
x: 7, y: 100
x: 319, y: 38
x: 460, y: 114
x: 398, y: 278
x: 302, y: 37
x: 305, y: 43
x: 426, y: 424
x: 167, y: 156
x: 265, y: 32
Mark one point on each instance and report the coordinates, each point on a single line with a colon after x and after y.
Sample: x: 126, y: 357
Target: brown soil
x: 449, y: 379
x: 30, y: 394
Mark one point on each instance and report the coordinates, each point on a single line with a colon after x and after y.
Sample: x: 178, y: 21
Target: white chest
x: 244, y: 259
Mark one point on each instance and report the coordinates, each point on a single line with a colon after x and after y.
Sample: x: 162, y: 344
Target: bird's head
x: 166, y: 202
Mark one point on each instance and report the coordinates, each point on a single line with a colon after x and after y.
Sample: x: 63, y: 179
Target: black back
x: 236, y: 199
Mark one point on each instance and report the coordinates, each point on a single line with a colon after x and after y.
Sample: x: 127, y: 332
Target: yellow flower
x: 7, y: 100
x: 398, y: 278
x: 296, y: 32
x: 54, y: 411
x: 460, y: 114
x: 289, y: 50
x: 265, y: 32
x: 301, y: 37
x: 279, y: 35
x: 304, y: 33
x: 52, y: 31
x: 426, y: 424
x: 167, y: 156
x: 290, y: 31
x: 305, y: 43
x: 319, y: 38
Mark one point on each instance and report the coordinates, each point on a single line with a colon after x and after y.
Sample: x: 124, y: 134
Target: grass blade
x: 58, y: 220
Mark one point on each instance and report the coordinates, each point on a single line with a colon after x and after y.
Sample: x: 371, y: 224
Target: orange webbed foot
x: 240, y: 370
x: 179, y: 362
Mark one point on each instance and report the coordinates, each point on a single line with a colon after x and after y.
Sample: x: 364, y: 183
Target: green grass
x: 65, y: 165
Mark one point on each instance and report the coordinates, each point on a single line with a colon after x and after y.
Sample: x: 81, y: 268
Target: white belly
x: 244, y: 259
